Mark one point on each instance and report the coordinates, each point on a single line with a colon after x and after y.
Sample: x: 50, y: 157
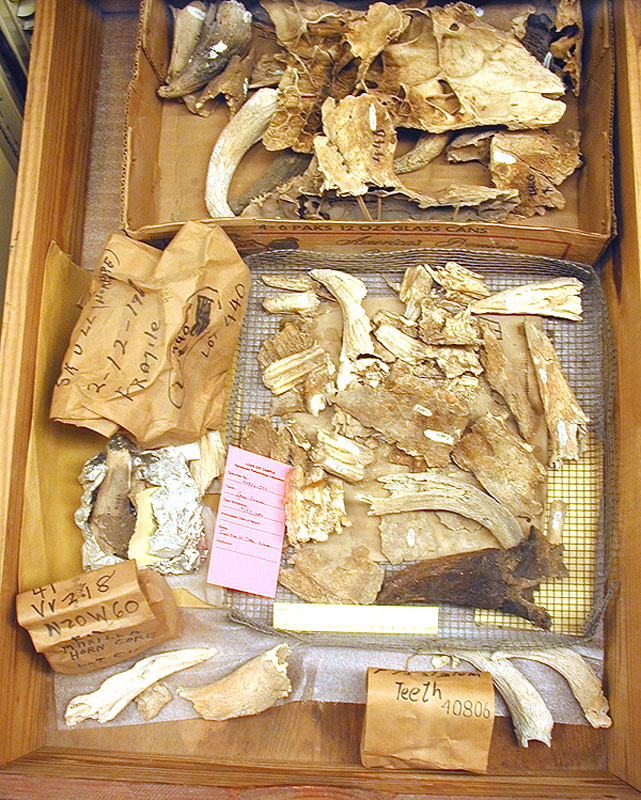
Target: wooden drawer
x: 298, y: 743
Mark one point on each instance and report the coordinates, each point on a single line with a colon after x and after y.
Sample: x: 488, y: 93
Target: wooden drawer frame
x: 50, y: 205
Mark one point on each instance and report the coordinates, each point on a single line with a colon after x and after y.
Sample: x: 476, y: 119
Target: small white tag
x: 330, y: 618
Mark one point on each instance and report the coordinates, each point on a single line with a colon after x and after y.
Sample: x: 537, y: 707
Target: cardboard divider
x: 168, y: 151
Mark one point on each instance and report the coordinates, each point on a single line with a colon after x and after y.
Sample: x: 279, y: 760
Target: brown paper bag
x: 99, y: 618
x: 156, y: 338
x: 429, y: 720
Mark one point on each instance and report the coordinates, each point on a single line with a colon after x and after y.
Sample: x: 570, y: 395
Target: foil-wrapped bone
x: 566, y: 421
x: 317, y: 578
x: 314, y: 506
x: 116, y: 692
x: 251, y: 689
x: 559, y: 297
x: 341, y: 456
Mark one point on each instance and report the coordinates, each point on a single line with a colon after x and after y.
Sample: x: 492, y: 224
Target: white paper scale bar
x: 330, y: 618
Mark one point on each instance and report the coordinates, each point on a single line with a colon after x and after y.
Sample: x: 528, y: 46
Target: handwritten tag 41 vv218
x: 250, y: 524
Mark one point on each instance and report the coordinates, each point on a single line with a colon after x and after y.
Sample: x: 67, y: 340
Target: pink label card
x: 250, y: 524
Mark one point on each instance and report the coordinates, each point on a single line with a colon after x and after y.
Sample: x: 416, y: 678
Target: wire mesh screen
x: 585, y: 349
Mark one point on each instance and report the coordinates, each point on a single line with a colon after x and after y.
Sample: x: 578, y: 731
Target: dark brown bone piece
x: 497, y: 579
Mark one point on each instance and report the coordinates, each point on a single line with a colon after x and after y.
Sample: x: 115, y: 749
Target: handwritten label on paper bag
x: 430, y: 720
x: 250, y: 524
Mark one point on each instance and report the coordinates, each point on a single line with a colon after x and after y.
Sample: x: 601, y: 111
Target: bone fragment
x: 556, y: 521
x: 530, y: 716
x: 314, y: 506
x: 248, y: 690
x: 415, y: 287
x: 282, y: 375
x: 566, y: 421
x: 582, y: 679
x: 560, y: 297
x: 341, y: 456
x: 319, y: 388
x: 285, y: 166
x: 292, y: 338
x: 289, y: 283
x: 441, y: 493
x: 240, y: 133
x: 350, y: 292
x: 113, y: 518
x: 114, y: 693
x: 405, y: 347
x: 472, y: 146
x: 426, y: 149
x: 151, y: 702
x: 211, y: 463
x: 305, y: 303
x: 458, y: 281
x: 188, y: 23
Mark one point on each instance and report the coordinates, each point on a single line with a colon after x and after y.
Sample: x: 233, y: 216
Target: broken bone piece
x: 556, y: 521
x: 240, y: 133
x: 290, y: 339
x: 304, y: 303
x: 188, y: 23
x: 531, y: 718
x: 251, y: 689
x: 314, y: 506
x: 566, y: 421
x: 151, y: 702
x: 429, y: 491
x: 289, y: 283
x: 350, y: 292
x: 211, y: 463
x: 415, y: 287
x: 113, y: 517
x: 282, y: 375
x: 560, y: 297
x: 341, y: 456
x: 470, y: 146
x: 426, y: 149
x: 226, y: 30
x: 315, y: 577
x: 459, y: 281
x: 582, y: 679
x: 496, y: 579
x: 116, y: 692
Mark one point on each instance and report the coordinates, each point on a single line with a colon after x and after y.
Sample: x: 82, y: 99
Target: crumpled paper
x: 156, y: 337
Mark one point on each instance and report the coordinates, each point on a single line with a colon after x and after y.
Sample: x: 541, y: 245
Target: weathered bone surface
x: 341, y: 456
x: 504, y: 379
x: 285, y: 166
x: 405, y: 347
x: 567, y: 48
x: 226, y: 30
x: 188, y: 23
x: 290, y: 283
x: 290, y: 339
x: 232, y: 83
x: 282, y: 375
x: 566, y: 421
x: 426, y: 149
x: 470, y: 146
x: 415, y: 287
x: 433, y: 492
x: 151, y: 702
x: 314, y: 506
x: 114, y: 693
x: 368, y: 35
x: 319, y: 579
x: 582, y: 679
x: 248, y: 690
x: 559, y: 297
x: 534, y: 163
x: 211, y: 463
x: 496, y: 579
x: 260, y: 436
x: 319, y: 389
x: 305, y: 303
x: 240, y: 133
x: 350, y: 292
x: 113, y: 517
x: 459, y: 281
x: 503, y: 464
x: 531, y: 718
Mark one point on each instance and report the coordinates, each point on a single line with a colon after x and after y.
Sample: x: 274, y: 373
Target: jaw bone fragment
x: 504, y: 379
x: 287, y: 372
x: 582, y: 679
x: 188, y: 23
x: 426, y: 149
x: 248, y: 690
x: 341, y: 456
x: 113, y: 694
x: 240, y: 133
x: 428, y: 492
x: 305, y: 303
x: 566, y: 421
x: 503, y: 464
x: 350, y: 292
x: 314, y: 506
x: 560, y: 297
x: 317, y: 578
x: 225, y: 30
x: 530, y: 716
x: 496, y: 579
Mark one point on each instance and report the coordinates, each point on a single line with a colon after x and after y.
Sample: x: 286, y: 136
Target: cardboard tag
x: 250, y: 524
x: 99, y: 618
x: 156, y: 337
x: 430, y: 720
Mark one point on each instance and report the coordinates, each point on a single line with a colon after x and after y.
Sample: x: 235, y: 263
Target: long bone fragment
x: 341, y: 456
x: 530, y: 716
x: 426, y: 492
x: 426, y: 149
x: 240, y: 133
x: 113, y: 694
x: 287, y: 372
x: 246, y: 691
x: 582, y: 679
x: 560, y: 297
x: 305, y: 303
x: 350, y: 292
x: 566, y: 420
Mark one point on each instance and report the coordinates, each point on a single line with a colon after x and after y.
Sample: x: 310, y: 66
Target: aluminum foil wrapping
x: 176, y: 506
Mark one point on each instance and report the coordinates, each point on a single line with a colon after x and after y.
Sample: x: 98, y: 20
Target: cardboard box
x: 300, y: 743
x: 168, y: 150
